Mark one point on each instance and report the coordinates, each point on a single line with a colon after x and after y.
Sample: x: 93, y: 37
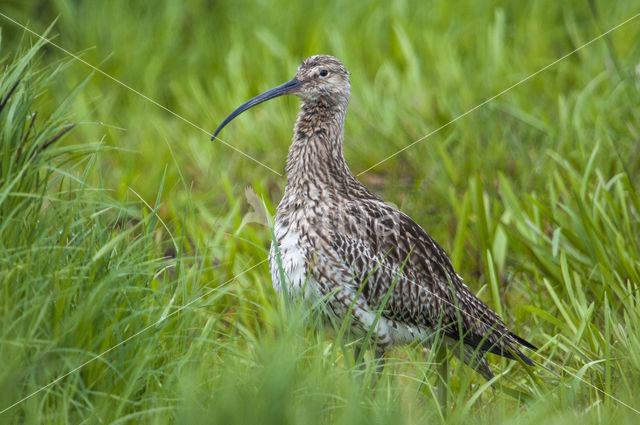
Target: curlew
x: 371, y: 264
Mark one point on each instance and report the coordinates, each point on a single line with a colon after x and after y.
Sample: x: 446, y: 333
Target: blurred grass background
x: 134, y: 213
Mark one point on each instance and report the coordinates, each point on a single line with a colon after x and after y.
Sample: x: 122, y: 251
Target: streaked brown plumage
x: 336, y: 238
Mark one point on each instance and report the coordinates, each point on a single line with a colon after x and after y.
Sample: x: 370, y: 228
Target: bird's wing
x: 389, y: 253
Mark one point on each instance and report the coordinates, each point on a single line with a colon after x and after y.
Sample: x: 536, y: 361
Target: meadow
x: 134, y: 286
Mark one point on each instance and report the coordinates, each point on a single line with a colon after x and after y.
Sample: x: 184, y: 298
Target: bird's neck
x: 316, y: 156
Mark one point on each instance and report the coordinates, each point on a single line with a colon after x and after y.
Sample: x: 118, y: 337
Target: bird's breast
x: 290, y: 253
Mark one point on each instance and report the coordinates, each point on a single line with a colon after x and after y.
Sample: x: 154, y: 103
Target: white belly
x: 298, y: 283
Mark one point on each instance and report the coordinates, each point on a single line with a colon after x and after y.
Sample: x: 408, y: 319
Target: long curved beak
x: 286, y: 88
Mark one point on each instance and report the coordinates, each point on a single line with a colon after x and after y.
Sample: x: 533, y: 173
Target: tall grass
x: 129, y: 231
x: 80, y: 272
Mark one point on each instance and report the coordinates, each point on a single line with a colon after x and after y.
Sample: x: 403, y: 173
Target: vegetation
x: 133, y: 280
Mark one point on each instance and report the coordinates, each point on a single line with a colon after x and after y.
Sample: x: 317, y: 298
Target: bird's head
x: 319, y: 78
x: 322, y: 76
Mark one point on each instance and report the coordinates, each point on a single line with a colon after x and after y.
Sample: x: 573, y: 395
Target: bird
x: 369, y: 263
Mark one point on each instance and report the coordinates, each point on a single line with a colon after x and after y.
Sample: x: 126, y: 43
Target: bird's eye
x: 324, y: 73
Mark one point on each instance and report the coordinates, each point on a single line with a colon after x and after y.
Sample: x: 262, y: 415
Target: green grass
x: 133, y: 221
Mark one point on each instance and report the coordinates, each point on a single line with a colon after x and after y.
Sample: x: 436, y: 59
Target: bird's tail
x: 472, y: 354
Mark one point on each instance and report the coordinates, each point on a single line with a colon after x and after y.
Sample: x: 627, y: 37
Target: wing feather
x: 389, y: 251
